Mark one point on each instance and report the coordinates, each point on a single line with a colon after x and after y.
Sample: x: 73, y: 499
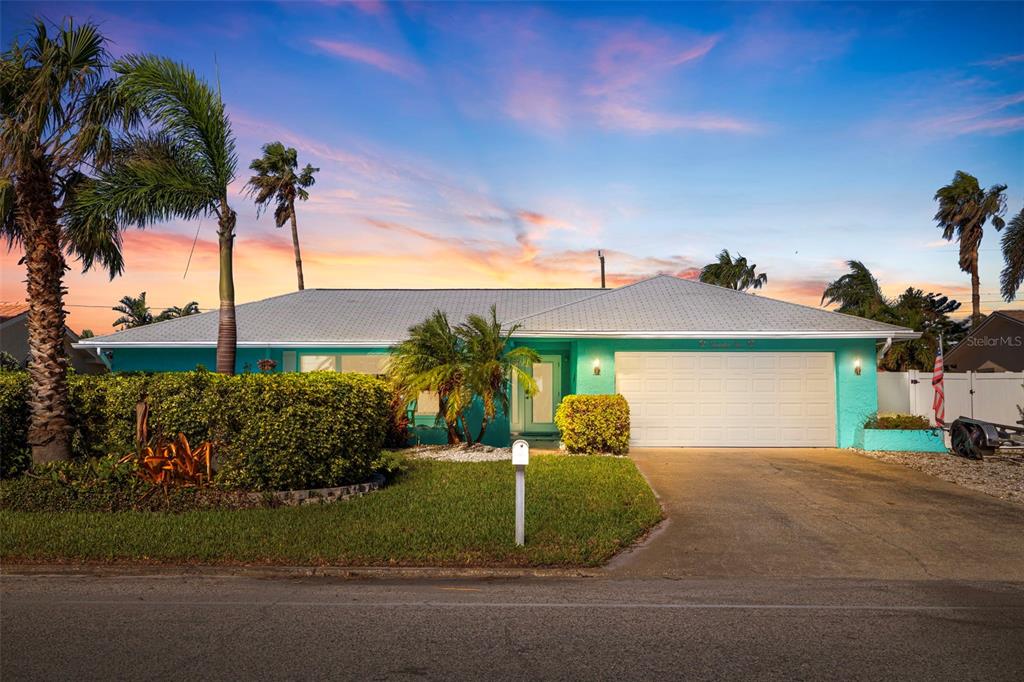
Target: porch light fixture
x: 856, y: 366
x: 597, y: 366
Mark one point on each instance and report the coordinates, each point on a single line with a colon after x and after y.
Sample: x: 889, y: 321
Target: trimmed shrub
x: 271, y: 431
x: 15, y: 455
x: 592, y: 424
x: 903, y: 422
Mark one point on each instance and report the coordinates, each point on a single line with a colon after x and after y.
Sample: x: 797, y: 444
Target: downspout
x: 885, y: 349
x: 103, y: 359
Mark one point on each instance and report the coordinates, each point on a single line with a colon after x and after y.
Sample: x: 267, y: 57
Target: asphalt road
x: 212, y: 628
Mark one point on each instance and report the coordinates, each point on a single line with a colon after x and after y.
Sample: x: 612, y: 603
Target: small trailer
x: 976, y: 439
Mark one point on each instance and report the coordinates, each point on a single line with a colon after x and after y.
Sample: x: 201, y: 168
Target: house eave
x: 896, y: 335
x: 240, y: 344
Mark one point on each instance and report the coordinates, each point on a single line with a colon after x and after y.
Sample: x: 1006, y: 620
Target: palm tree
x: 174, y: 312
x: 492, y: 361
x: 964, y: 208
x: 57, y: 122
x: 134, y: 312
x: 276, y: 180
x: 1012, y: 275
x: 733, y: 274
x: 179, y: 168
x: 857, y: 293
x: 928, y: 314
x: 433, y: 358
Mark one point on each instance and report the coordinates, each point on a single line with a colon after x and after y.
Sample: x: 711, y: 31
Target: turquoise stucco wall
x: 856, y: 396
x: 903, y: 440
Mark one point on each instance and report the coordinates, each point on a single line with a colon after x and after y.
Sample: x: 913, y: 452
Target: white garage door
x: 729, y: 399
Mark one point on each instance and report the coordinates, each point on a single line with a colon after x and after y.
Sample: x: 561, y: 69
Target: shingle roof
x: 338, y: 316
x: 660, y: 306
x: 670, y: 306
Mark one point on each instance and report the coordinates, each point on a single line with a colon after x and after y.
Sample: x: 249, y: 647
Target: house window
x: 365, y: 364
x: 318, y: 363
x: 427, y: 404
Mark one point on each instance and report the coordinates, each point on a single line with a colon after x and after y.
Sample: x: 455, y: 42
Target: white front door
x: 728, y: 399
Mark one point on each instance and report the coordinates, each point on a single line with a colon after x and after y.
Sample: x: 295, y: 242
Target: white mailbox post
x: 520, y: 458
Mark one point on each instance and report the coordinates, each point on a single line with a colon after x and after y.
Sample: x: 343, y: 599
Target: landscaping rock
x: 461, y: 453
x: 1000, y: 475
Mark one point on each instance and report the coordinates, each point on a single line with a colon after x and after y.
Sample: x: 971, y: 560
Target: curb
x: 286, y: 572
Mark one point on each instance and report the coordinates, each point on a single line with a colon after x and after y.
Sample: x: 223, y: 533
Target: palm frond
x: 183, y: 105
x: 1012, y: 276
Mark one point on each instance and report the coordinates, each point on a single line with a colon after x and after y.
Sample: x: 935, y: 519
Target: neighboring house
x: 14, y: 340
x: 995, y: 345
x: 699, y: 364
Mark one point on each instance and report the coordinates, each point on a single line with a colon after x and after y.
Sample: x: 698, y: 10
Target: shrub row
x: 592, y: 424
x: 271, y: 431
x: 897, y: 422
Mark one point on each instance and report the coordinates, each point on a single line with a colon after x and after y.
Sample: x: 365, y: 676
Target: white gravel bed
x: 461, y: 453
x: 1001, y: 477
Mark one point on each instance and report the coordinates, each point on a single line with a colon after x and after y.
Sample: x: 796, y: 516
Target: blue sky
x: 501, y: 144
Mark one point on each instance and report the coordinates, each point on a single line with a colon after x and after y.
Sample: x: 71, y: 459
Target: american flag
x: 939, y: 402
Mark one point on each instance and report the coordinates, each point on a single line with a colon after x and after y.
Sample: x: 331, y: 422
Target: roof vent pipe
x: 600, y: 256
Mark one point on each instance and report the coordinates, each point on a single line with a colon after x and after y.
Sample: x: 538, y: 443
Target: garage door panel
x: 729, y: 399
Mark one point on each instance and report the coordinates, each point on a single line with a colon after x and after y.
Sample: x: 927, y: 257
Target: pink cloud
x: 978, y: 118
x: 1004, y: 61
x: 622, y: 116
x: 370, y: 56
x: 536, y: 97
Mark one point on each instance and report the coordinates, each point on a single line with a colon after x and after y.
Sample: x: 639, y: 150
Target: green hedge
x: 592, y: 424
x: 272, y: 431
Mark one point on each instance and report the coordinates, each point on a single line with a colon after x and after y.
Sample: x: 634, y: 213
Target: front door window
x: 540, y: 408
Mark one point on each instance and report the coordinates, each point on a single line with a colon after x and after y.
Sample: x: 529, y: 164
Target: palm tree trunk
x: 295, y: 243
x: 227, y: 331
x: 465, y: 428
x: 975, y: 293
x: 483, y: 430
x: 49, y: 431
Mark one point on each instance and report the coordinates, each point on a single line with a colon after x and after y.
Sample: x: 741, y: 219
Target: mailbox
x: 520, y: 453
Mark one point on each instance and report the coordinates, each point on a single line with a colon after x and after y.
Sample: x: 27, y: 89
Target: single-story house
x: 14, y: 340
x: 700, y: 365
x: 995, y: 345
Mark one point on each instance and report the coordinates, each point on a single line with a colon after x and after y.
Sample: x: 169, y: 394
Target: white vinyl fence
x: 992, y: 396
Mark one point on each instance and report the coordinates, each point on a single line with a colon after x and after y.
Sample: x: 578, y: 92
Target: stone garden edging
x: 295, y: 498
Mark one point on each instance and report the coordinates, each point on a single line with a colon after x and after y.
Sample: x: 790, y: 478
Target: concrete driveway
x: 819, y: 513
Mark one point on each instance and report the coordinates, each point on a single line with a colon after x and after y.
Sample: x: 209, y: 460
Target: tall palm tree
x: 857, y: 292
x: 433, y: 358
x: 275, y: 180
x: 1012, y: 275
x: 58, y: 117
x: 964, y: 208
x: 134, y: 312
x: 174, y: 312
x: 733, y: 274
x: 179, y: 168
x: 492, y: 361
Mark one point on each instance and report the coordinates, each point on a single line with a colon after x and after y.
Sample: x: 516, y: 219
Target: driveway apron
x: 818, y: 513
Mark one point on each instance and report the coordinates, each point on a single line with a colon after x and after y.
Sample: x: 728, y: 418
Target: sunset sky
x: 500, y: 145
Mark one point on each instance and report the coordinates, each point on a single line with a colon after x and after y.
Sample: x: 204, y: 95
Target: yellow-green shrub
x: 594, y: 423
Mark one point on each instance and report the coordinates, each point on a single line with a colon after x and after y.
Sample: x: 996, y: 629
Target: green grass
x: 579, y: 512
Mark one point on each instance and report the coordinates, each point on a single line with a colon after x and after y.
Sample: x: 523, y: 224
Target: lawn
x: 579, y: 512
